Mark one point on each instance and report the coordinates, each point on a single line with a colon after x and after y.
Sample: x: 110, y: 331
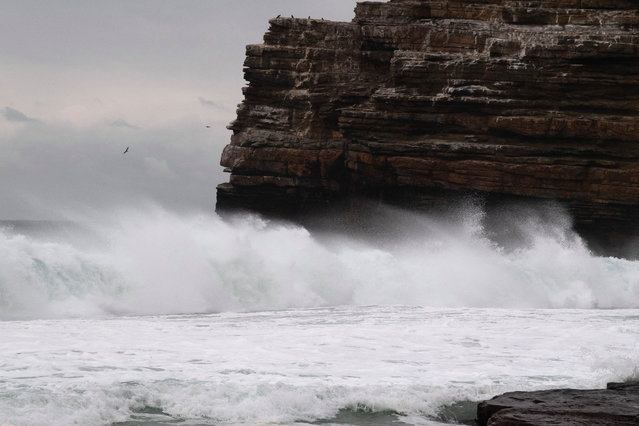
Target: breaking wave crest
x: 152, y: 261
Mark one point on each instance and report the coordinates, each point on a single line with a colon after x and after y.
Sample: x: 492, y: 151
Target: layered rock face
x: 417, y: 101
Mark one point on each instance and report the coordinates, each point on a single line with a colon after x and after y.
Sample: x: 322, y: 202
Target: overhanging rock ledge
x: 416, y: 102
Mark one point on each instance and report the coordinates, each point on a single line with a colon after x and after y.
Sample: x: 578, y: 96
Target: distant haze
x: 80, y: 81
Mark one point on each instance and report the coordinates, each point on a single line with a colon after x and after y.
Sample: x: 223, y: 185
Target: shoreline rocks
x: 616, y: 405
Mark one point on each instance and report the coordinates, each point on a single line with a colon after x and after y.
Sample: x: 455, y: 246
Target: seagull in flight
x: 126, y: 150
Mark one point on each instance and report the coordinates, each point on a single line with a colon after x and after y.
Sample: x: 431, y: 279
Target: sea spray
x: 151, y: 261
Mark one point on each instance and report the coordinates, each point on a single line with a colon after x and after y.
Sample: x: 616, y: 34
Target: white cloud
x: 158, y: 169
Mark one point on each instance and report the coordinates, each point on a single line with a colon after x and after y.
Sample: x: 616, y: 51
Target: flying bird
x: 208, y: 127
x: 126, y: 150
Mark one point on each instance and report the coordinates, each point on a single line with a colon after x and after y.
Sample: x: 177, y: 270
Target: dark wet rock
x: 615, y: 406
x: 416, y: 102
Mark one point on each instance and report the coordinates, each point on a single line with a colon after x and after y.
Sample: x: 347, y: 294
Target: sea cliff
x: 418, y: 102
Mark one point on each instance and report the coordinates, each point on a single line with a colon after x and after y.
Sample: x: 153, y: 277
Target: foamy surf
x: 151, y: 261
x: 348, y: 365
x: 152, y: 318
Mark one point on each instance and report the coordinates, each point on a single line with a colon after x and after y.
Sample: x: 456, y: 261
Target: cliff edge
x: 416, y: 102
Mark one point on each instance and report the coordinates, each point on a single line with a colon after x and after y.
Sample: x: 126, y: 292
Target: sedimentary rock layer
x: 618, y: 405
x: 418, y: 100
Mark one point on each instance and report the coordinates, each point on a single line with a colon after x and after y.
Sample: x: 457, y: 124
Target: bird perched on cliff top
x: 292, y: 16
x: 126, y: 150
x: 278, y: 16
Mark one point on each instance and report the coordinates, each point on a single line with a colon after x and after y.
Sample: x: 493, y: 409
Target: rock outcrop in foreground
x: 618, y: 405
x: 417, y: 101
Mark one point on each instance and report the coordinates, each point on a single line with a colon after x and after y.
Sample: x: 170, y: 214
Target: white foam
x: 446, y: 312
x: 154, y: 262
x: 302, y: 365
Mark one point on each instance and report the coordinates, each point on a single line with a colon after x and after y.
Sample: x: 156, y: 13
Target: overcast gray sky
x: 81, y: 80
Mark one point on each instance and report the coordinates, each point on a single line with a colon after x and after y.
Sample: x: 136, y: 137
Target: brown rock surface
x: 615, y: 406
x: 415, y: 101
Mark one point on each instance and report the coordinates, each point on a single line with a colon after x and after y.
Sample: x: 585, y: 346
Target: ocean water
x: 145, y: 317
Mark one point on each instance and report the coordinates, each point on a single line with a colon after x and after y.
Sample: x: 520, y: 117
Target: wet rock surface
x: 416, y: 102
x: 615, y: 406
